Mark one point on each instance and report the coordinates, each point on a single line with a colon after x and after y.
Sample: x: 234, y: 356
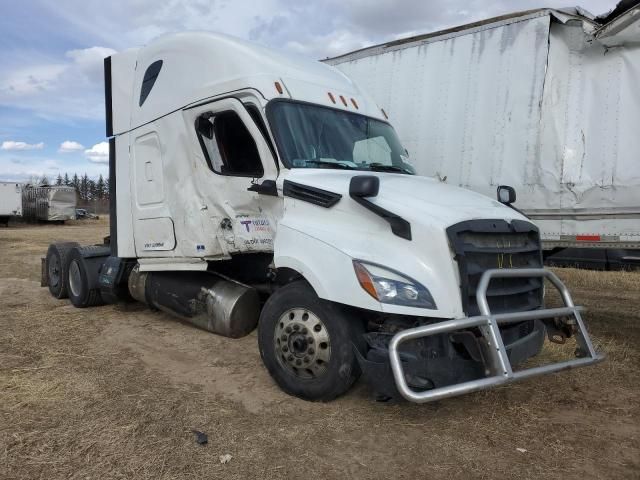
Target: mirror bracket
x: 267, y: 187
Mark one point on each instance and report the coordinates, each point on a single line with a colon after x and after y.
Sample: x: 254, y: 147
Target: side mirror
x: 204, y: 126
x: 506, y: 194
x: 267, y: 187
x: 363, y: 186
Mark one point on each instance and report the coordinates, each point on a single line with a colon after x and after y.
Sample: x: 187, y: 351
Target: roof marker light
x: 333, y: 99
x: 344, y: 101
x: 278, y: 87
x: 354, y: 103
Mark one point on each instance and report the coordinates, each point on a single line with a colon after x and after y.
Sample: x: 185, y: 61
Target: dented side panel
x: 537, y: 104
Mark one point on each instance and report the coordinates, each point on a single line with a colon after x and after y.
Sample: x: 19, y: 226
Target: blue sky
x: 51, y: 52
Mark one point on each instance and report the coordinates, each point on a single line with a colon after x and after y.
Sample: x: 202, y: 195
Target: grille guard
x: 498, y: 362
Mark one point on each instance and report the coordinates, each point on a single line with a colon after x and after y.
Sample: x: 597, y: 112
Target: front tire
x: 306, y: 343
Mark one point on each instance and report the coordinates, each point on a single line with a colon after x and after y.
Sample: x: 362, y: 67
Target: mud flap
x: 44, y: 281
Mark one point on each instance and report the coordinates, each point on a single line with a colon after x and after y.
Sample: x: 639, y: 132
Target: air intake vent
x: 480, y: 245
x: 317, y: 196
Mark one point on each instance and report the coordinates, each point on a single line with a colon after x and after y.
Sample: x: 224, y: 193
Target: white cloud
x: 99, y: 153
x: 54, y: 87
x: 31, y: 167
x: 69, y: 146
x: 11, y: 145
x: 90, y: 61
x: 30, y: 80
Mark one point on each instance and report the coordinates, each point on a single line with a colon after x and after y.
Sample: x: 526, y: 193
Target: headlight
x: 388, y: 286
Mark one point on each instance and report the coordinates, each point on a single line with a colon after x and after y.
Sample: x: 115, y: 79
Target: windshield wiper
x: 379, y: 167
x: 330, y: 164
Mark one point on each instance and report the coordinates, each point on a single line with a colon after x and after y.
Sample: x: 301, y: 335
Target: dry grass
x: 114, y: 392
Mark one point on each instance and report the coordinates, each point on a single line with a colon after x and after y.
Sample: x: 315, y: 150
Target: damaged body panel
x: 544, y: 101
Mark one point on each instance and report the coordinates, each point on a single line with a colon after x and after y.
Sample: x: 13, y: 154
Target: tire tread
x: 63, y: 250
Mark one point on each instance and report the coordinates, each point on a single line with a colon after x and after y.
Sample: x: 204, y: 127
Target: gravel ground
x: 116, y: 391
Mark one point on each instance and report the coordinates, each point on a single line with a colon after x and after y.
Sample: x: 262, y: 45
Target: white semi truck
x: 253, y: 188
x: 10, y: 201
x: 544, y: 101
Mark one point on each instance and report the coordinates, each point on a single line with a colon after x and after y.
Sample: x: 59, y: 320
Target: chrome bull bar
x: 498, y: 362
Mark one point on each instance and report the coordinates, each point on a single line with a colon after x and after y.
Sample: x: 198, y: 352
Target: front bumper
x: 491, y: 363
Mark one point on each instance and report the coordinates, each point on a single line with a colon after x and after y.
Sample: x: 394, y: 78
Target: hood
x: 416, y: 199
x: 321, y: 243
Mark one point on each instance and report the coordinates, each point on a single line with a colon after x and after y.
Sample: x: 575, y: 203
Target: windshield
x: 311, y: 136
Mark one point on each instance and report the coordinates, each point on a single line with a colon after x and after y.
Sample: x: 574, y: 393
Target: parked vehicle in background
x: 545, y: 101
x: 55, y: 203
x: 10, y: 201
x: 82, y: 213
x: 253, y: 188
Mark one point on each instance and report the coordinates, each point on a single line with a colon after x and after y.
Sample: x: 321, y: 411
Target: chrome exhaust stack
x: 205, y: 299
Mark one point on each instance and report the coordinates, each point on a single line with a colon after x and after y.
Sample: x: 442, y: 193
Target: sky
x: 51, y: 56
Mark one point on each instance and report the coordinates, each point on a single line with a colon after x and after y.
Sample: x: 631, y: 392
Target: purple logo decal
x: 246, y: 223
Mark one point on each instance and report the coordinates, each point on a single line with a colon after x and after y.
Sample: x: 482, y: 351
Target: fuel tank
x: 205, y: 299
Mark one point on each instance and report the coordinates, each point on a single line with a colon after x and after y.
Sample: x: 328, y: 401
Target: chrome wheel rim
x: 75, y: 279
x: 302, y: 343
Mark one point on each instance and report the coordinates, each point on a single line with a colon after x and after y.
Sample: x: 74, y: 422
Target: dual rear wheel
x: 71, y: 275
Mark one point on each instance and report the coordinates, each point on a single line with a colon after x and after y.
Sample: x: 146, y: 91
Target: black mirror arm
x: 399, y: 226
x: 510, y: 205
x: 362, y: 187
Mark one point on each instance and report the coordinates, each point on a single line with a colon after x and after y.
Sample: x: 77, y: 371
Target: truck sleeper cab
x: 254, y: 188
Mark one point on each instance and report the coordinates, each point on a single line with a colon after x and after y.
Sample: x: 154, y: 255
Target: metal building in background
x: 49, y: 203
x: 546, y: 101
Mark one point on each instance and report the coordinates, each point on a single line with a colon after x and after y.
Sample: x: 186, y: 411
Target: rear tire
x: 80, y: 295
x: 57, y: 265
x: 306, y: 343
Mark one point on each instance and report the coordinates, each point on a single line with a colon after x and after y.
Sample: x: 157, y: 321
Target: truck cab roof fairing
x: 200, y: 65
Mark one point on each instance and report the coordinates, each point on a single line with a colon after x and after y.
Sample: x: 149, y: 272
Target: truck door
x: 239, y: 184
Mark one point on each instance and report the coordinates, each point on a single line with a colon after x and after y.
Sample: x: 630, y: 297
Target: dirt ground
x: 115, y: 392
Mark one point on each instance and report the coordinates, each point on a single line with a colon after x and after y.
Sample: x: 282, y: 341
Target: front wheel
x: 306, y: 343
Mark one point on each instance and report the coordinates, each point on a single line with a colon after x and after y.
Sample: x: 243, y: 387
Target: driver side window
x: 227, y: 145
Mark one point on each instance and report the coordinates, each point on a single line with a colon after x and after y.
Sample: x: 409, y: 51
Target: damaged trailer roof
x: 621, y: 28
x: 619, y: 22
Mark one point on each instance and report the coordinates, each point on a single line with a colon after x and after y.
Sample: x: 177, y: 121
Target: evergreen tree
x: 76, y: 182
x: 92, y: 191
x: 100, y: 193
x: 44, y: 180
x: 66, y: 180
x: 84, y: 187
x: 106, y: 188
x: 59, y: 180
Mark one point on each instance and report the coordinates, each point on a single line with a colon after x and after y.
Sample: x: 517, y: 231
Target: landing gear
x: 306, y: 343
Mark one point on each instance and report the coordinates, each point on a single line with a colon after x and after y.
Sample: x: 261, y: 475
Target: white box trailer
x: 49, y: 203
x: 10, y: 201
x: 545, y: 101
x: 253, y: 188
